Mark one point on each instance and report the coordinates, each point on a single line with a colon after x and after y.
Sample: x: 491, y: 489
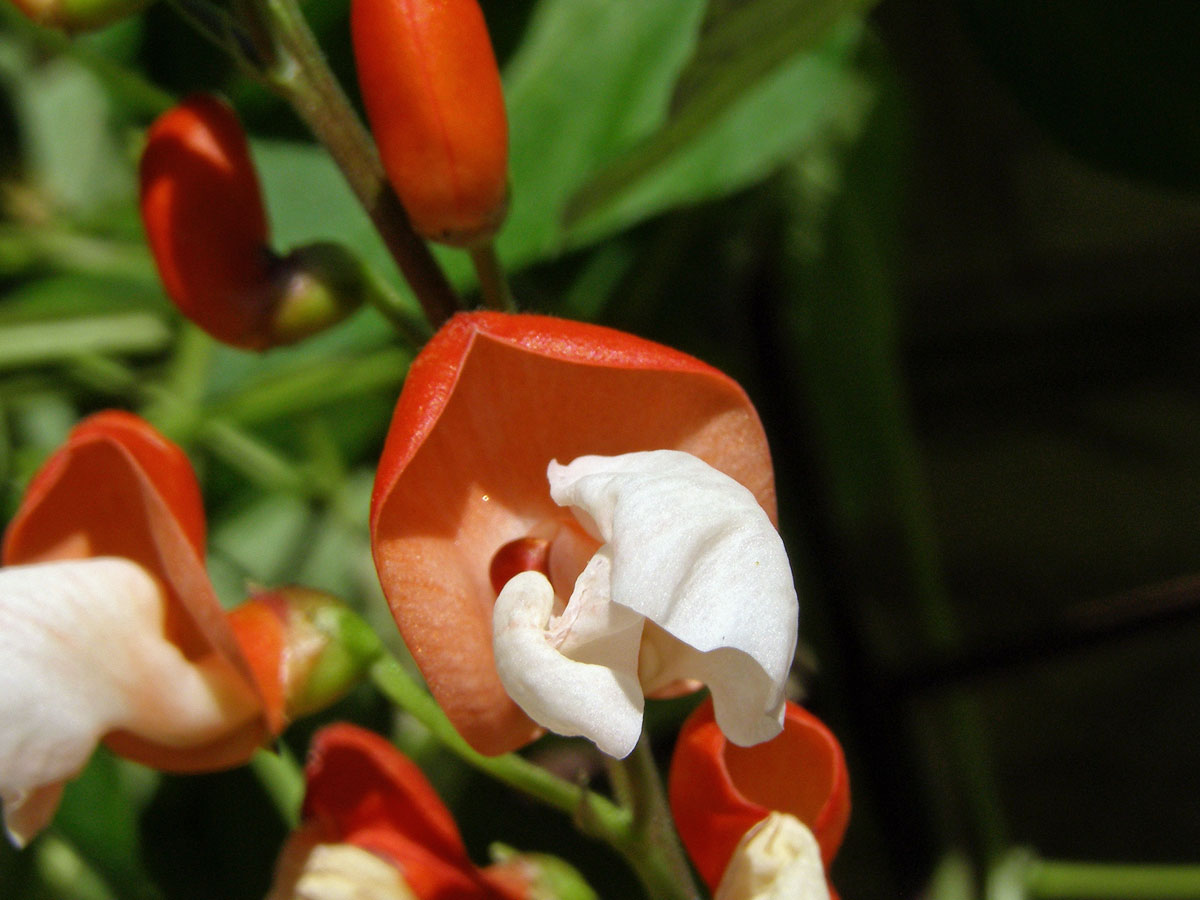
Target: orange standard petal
x: 118, y: 488
x: 487, y: 404
x: 718, y: 791
x: 363, y: 791
x: 203, y: 213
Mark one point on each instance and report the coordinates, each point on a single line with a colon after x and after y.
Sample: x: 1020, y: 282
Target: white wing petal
x: 694, y: 552
x: 84, y: 654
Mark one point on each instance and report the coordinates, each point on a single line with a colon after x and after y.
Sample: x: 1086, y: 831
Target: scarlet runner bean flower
x: 110, y: 628
x: 432, y: 92
x: 684, y: 576
x: 374, y: 826
x: 203, y: 212
x: 748, y: 815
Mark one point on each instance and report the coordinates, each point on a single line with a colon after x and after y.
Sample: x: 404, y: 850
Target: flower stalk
x: 300, y: 74
x: 641, y: 835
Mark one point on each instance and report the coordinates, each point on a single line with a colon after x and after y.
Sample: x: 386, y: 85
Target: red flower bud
x: 204, y: 218
x: 205, y: 221
x: 305, y: 647
x: 432, y: 91
x: 718, y: 791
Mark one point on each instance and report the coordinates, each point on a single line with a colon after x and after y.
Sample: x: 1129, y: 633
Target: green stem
x: 257, y: 461
x: 1111, y: 881
x: 35, y: 343
x: 665, y: 872
x: 403, y: 690
x: 493, y: 283
x: 388, y: 302
x: 303, y: 78
x: 298, y: 389
x: 283, y: 781
x: 25, y: 246
x: 637, y: 834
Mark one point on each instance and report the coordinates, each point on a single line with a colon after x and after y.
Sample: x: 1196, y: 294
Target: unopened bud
x: 79, y: 15
x: 306, y: 648
x: 432, y: 92
x: 319, y: 285
x: 203, y: 212
x: 777, y: 859
x: 545, y: 877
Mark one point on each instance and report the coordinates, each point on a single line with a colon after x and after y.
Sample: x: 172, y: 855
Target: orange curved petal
x: 203, y: 212
x: 118, y: 488
x: 363, y: 791
x: 487, y: 404
x: 718, y: 790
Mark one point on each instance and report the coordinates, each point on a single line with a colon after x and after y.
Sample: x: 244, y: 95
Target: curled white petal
x: 693, y: 552
x: 777, y: 859
x: 84, y: 654
x: 575, y: 674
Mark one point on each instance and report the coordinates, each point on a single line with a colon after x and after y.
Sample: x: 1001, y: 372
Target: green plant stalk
x: 1051, y: 880
x: 297, y: 390
x: 301, y: 76
x: 256, y: 461
x: 636, y: 781
x: 493, y: 283
x: 36, y: 343
x: 594, y: 815
x: 283, y: 781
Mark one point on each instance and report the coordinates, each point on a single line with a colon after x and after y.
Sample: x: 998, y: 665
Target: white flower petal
x: 84, y: 654
x: 342, y: 872
x: 693, y: 552
x: 777, y: 859
x: 594, y: 691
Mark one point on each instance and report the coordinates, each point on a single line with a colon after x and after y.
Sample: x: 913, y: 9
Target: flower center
x: 558, y: 548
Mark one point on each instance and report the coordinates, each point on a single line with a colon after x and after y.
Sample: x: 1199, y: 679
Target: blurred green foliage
x: 975, y: 355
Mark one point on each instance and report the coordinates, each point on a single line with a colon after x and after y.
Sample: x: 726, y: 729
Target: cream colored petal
x: 693, y: 552
x: 84, y: 654
x: 575, y: 674
x: 777, y: 859
x: 342, y: 872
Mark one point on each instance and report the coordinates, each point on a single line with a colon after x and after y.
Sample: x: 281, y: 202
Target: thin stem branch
x: 283, y: 781
x: 642, y: 834
x: 493, y: 283
x: 516, y: 771
x: 1052, y: 880
x: 302, y: 77
x: 665, y: 873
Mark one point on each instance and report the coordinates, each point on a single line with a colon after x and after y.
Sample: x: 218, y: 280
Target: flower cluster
x: 566, y: 521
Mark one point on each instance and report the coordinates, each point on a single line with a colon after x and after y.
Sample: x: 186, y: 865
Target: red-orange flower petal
x: 203, y: 213
x: 432, y: 91
x: 718, y: 791
x: 487, y: 404
x: 363, y: 791
x: 118, y: 488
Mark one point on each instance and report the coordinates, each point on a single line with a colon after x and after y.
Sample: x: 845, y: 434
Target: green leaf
x: 758, y: 89
x: 694, y: 159
x: 308, y: 200
x: 590, y: 80
x: 64, y: 114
